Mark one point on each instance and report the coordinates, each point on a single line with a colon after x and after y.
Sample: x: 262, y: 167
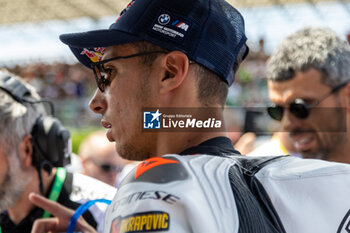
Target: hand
x: 60, y: 222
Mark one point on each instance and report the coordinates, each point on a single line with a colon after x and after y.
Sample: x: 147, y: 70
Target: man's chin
x: 131, y: 152
x: 313, y: 154
x: 109, y: 135
x: 8, y: 199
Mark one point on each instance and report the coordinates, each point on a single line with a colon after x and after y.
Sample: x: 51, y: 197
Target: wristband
x: 81, y: 209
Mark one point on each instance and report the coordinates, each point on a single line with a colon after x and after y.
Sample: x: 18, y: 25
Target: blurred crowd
x: 250, y: 88
x: 70, y: 86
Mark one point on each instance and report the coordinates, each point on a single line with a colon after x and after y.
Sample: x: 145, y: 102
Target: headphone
x: 50, y: 139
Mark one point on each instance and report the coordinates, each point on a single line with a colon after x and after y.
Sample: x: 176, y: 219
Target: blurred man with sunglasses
x: 184, y: 54
x: 100, y: 160
x: 308, y: 77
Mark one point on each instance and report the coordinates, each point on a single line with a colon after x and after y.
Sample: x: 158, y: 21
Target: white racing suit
x: 208, y: 193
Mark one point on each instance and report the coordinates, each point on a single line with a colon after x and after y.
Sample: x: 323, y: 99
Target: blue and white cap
x: 209, y: 32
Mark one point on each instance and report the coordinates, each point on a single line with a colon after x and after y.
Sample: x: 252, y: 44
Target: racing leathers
x: 211, y: 188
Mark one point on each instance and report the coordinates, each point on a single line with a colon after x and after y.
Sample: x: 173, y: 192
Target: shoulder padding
x: 157, y: 170
x: 251, y: 165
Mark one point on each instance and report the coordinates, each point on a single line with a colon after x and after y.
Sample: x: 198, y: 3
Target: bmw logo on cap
x: 164, y: 19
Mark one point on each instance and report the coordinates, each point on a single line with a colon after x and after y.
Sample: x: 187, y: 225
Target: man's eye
x: 106, y: 73
x: 109, y: 71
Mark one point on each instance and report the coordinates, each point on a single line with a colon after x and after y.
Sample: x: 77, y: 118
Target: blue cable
x: 81, y: 209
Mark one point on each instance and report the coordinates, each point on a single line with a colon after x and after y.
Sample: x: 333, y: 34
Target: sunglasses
x: 106, y: 167
x: 103, y: 75
x: 299, y: 108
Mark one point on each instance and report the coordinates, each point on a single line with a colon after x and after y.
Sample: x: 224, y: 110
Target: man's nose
x: 289, y: 121
x: 98, y: 102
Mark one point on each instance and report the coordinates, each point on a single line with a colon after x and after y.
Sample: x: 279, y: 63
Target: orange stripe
x: 151, y: 163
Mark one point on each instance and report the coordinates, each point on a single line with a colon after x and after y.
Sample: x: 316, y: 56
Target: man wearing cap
x: 184, y: 54
x: 308, y: 80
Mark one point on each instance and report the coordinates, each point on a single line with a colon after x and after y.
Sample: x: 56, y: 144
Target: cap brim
x: 86, y: 46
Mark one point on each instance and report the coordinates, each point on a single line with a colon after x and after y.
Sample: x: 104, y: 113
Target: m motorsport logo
x: 170, y: 25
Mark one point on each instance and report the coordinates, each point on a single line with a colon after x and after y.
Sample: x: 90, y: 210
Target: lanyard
x: 56, y: 188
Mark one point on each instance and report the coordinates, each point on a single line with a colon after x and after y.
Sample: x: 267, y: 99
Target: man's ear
x: 83, y: 161
x: 26, y: 151
x: 175, y: 65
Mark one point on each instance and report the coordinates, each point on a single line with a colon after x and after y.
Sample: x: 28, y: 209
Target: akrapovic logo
x: 141, y: 222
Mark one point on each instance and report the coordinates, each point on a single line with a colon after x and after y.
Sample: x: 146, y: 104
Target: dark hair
x: 148, y: 59
x: 211, y: 88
